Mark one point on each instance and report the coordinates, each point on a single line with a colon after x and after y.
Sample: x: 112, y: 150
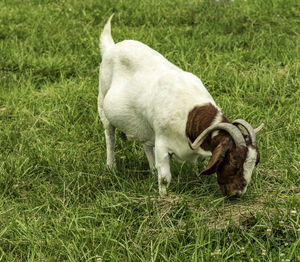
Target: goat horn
x: 249, y: 129
x: 256, y: 130
x: 231, y: 129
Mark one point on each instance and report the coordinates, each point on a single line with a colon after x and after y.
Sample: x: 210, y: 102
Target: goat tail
x: 106, y: 40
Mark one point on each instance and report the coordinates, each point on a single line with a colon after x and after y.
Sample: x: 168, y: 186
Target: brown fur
x: 217, y: 157
x: 227, y: 161
x: 199, y: 119
x: 230, y: 171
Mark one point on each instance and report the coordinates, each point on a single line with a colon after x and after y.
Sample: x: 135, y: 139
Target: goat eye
x: 244, y: 183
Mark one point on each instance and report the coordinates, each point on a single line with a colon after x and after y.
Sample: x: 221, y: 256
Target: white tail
x: 106, y: 41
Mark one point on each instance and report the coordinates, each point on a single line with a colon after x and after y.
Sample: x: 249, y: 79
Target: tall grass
x: 58, y: 202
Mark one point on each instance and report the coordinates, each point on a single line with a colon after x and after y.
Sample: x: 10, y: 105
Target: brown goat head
x: 234, y: 166
x: 233, y: 147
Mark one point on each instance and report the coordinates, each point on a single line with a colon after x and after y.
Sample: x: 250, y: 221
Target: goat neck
x: 199, y: 119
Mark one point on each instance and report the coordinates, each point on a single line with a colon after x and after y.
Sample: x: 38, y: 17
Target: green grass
x: 58, y: 202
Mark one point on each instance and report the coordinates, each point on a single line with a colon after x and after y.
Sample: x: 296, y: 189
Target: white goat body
x: 149, y: 99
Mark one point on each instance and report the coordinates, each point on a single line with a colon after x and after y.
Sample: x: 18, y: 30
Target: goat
x: 170, y: 112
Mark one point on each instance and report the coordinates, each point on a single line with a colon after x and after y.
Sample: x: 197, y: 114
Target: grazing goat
x: 170, y: 112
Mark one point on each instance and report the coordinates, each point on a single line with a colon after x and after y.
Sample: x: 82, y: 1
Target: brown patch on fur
x: 199, y: 119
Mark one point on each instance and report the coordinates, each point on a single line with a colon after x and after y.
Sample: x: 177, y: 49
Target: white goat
x: 170, y: 112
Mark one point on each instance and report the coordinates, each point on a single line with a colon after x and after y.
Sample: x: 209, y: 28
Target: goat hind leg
x: 109, y: 136
x: 150, y: 156
x: 110, y: 146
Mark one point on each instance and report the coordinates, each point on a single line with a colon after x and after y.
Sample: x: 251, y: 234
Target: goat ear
x: 216, y: 158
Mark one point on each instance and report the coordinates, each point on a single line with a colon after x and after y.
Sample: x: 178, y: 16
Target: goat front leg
x: 162, y: 164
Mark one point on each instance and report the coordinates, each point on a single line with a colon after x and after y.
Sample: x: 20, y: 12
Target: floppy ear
x: 216, y: 158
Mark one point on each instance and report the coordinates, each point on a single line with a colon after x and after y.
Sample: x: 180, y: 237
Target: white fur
x: 148, y: 98
x: 248, y: 166
x: 218, y: 119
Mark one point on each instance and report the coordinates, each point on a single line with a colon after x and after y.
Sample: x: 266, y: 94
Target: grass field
x: 58, y: 202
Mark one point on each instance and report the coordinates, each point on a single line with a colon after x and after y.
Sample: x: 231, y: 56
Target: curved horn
x: 256, y: 130
x: 231, y: 129
x: 249, y: 129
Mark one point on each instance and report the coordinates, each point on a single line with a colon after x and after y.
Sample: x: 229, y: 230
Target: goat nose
x: 239, y: 193
x: 236, y: 194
